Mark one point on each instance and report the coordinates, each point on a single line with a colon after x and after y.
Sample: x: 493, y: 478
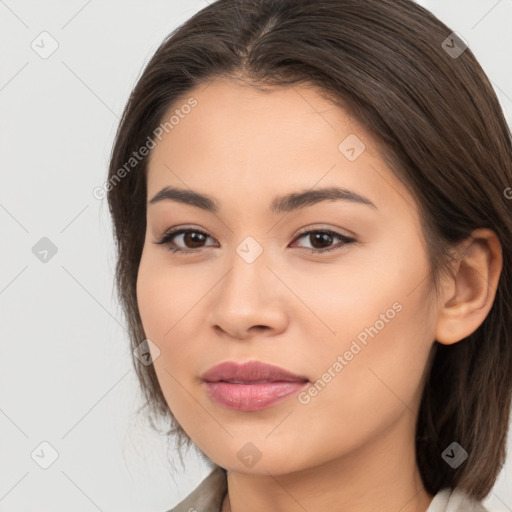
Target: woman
x: 311, y: 209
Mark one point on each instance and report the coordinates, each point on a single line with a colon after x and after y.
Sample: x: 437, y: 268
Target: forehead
x: 240, y: 142
x: 237, y: 116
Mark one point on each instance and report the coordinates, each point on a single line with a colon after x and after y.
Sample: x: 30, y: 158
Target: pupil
x: 322, y: 236
x: 193, y: 235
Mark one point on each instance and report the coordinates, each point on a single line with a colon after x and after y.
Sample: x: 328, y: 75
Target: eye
x: 321, y: 238
x: 196, y: 238
x: 189, y: 236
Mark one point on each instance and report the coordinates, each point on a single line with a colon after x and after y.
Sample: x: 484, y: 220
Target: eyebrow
x: 281, y: 204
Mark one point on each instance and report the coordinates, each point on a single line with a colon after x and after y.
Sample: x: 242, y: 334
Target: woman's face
x: 356, y: 321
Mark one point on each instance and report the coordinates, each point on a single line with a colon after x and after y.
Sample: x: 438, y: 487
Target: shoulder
x: 455, y: 500
x: 207, y: 496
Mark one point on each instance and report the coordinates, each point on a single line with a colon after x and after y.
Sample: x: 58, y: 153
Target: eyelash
x: 166, y: 240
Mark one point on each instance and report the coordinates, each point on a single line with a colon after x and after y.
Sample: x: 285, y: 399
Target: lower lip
x: 252, y: 397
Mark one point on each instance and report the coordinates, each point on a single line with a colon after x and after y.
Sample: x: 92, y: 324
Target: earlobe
x: 471, y: 288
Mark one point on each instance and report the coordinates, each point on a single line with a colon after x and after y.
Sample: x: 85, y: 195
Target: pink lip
x: 251, y: 386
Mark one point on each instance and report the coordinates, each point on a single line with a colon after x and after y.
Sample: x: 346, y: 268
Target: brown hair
x: 443, y: 133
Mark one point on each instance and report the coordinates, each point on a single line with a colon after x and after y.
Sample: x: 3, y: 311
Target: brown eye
x: 192, y: 239
x: 321, y: 240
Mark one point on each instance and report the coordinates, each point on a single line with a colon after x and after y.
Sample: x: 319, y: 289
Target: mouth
x: 234, y: 381
x: 251, y: 386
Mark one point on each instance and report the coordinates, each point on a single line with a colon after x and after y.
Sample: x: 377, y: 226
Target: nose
x: 249, y: 300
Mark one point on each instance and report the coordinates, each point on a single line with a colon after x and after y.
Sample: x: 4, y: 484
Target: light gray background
x: 66, y: 375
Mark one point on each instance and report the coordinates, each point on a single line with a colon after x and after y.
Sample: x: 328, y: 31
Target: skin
x: 351, y: 448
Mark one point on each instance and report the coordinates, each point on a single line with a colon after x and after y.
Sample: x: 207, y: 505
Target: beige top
x: 210, y: 493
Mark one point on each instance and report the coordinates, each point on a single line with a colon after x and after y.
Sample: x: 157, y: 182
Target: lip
x: 251, y: 371
x: 251, y: 386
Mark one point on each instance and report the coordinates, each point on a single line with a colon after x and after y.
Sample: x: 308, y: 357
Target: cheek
x: 165, y: 295
x: 152, y: 299
x: 382, y: 334
x: 378, y: 361
x: 161, y: 308
x: 169, y: 302
x: 372, y: 387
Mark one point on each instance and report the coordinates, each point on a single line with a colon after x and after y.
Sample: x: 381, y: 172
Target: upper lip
x: 251, y: 371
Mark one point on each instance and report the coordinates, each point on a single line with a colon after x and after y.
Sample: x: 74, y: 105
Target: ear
x: 468, y: 294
